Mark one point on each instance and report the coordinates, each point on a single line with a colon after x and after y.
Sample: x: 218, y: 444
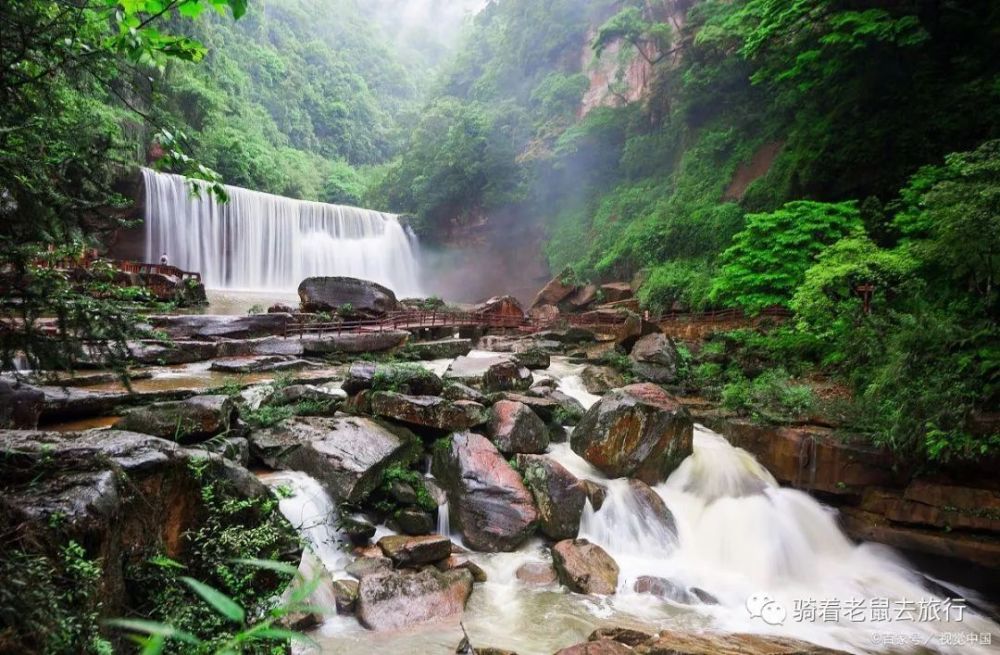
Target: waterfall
x: 262, y: 242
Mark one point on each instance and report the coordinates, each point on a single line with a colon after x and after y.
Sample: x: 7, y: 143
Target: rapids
x: 740, y: 538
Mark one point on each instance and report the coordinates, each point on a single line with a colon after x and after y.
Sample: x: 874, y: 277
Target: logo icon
x: 763, y: 607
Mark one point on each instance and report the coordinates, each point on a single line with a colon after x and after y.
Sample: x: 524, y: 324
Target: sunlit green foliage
x: 770, y: 256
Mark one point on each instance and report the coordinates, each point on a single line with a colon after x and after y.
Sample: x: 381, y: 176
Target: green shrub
x: 772, y: 397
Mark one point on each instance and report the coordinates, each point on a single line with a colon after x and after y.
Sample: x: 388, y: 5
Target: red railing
x: 157, y: 269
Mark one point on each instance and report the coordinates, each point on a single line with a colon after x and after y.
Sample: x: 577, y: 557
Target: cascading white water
x: 740, y: 535
x: 262, y: 242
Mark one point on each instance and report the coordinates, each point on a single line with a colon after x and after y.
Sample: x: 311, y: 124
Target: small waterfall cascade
x: 263, y: 242
x: 752, y: 544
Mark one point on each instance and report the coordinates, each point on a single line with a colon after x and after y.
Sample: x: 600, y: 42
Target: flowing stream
x: 262, y: 242
x: 761, y: 554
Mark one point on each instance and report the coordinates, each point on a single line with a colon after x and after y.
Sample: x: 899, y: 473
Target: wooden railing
x: 157, y: 269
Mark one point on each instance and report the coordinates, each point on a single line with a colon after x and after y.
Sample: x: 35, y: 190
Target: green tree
x: 770, y: 256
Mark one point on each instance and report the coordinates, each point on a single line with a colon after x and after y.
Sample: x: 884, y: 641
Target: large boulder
x: 488, y: 502
x: 402, y: 378
x: 616, y: 291
x: 397, y: 599
x: 184, y: 421
x: 584, y: 567
x: 328, y: 294
x: 556, y: 290
x: 637, y: 431
x: 500, y: 373
x: 558, y: 494
x: 601, y: 379
x: 20, y: 406
x: 654, y: 358
x: 501, y: 308
x: 121, y: 496
x: 514, y: 428
x: 347, y: 455
x: 428, y: 411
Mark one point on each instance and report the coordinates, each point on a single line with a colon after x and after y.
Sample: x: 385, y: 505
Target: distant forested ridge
x: 751, y: 153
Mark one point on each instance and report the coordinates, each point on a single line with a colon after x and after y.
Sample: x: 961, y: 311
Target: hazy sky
x: 439, y: 20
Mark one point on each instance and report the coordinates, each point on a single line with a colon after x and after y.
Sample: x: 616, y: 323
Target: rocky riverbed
x: 527, y: 489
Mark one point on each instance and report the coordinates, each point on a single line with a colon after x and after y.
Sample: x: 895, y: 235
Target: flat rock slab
x: 397, y: 599
x: 184, y: 421
x: 597, y: 647
x: 428, y: 411
x: 259, y: 364
x: 411, y: 551
x: 353, y: 342
x: 213, y: 327
x: 347, y: 455
x: 64, y: 404
x: 442, y: 349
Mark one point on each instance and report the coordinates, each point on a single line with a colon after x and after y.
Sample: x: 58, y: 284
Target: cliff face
x: 622, y: 75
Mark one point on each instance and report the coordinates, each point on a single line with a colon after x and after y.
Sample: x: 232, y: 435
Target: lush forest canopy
x: 876, y: 125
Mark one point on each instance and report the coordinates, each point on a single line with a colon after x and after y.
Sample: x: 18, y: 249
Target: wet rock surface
x: 184, y: 421
x: 597, y: 647
x: 585, y: 567
x: 601, y: 379
x: 428, y: 411
x: 395, y: 599
x: 211, y: 327
x: 490, y: 374
x: 488, y: 502
x: 410, y: 551
x: 654, y: 358
x: 441, y: 349
x: 347, y: 455
x: 537, y: 574
x: 558, y: 494
x: 674, y: 642
x: 405, y: 379
x: 638, y: 431
x: 20, y: 406
x: 329, y: 294
x: 514, y: 428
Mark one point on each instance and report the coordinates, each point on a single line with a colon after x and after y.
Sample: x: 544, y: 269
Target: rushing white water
x: 259, y: 241
x: 740, y: 536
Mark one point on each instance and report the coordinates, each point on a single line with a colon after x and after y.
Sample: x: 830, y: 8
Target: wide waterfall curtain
x: 259, y: 241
